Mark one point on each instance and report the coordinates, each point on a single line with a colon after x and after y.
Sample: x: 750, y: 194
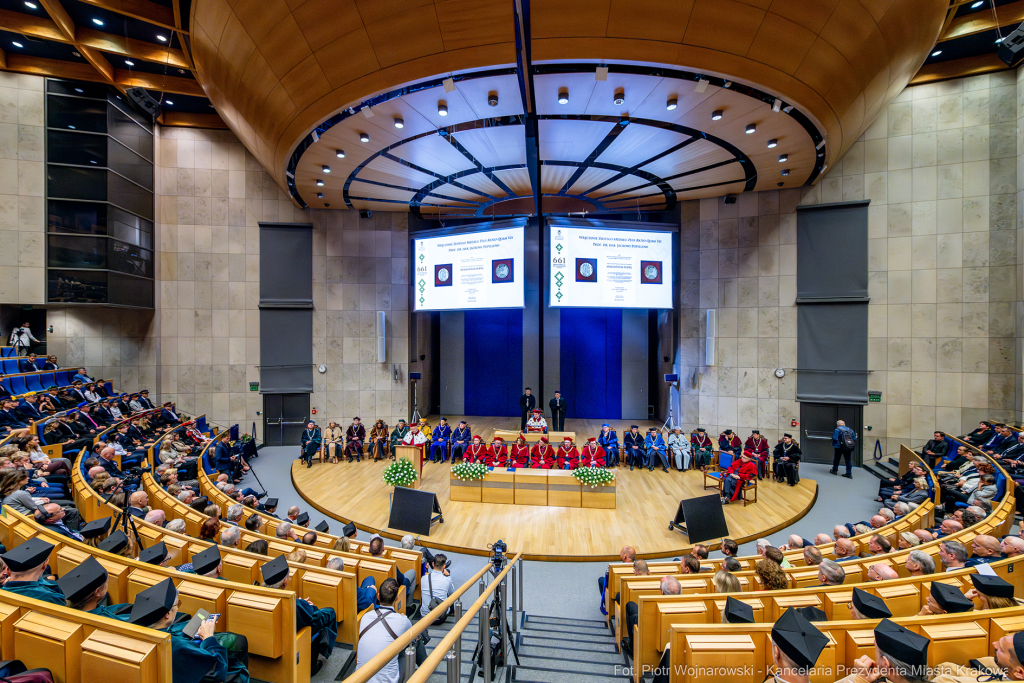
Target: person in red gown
x: 520, y: 455
x: 758, y: 445
x: 497, y: 453
x: 543, y: 455
x: 592, y: 455
x: 477, y: 451
x: 740, y: 472
x: 568, y: 457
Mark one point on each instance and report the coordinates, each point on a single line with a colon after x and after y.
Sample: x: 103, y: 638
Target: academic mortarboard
x: 114, y: 543
x: 154, y: 554
x: 634, y: 426
x: 798, y: 638
x: 29, y: 555
x: 902, y: 644
x: 275, y: 571
x: 206, y: 561
x: 1018, y: 645
x: 812, y: 613
x: 701, y: 430
x: 950, y: 598
x: 95, y: 528
x: 870, y: 606
x: 82, y: 580
x: 992, y: 586
x: 349, y: 530
x: 153, y: 603
x: 270, y: 503
x: 737, y: 612
x: 322, y: 527
x: 755, y: 431
x: 785, y: 436
x: 728, y: 432
x: 303, y: 519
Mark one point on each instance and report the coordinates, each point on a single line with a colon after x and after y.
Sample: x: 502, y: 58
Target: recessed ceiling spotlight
x: 785, y: 171
x: 672, y: 103
x: 71, y: 127
x: 620, y: 97
x: 326, y: 168
x: 79, y: 90
x: 129, y: 62
x: 563, y: 96
x: 824, y: 168
x: 327, y: 205
x: 716, y: 115
x: 773, y: 143
x: 340, y: 153
x: 399, y: 123
x: 168, y: 102
x: 783, y: 157
x: 31, y: 5
x: 363, y: 137
x: 936, y: 53
x: 98, y: 22
x: 319, y: 195
x: 162, y: 39
x: 442, y: 108
x: 727, y: 84
x: 492, y: 99
x: 978, y: 4
x: 751, y: 127
x: 320, y: 183
x: 16, y: 44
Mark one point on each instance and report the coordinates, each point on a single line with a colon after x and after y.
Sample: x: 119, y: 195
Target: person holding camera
x: 438, y: 585
x: 379, y: 628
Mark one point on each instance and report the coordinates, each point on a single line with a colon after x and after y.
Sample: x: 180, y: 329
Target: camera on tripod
x: 499, y: 555
x: 133, y: 477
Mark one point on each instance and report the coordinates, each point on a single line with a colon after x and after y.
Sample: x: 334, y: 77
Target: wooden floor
x: 645, y: 504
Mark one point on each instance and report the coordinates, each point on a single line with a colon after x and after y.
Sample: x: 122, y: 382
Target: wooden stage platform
x: 645, y: 504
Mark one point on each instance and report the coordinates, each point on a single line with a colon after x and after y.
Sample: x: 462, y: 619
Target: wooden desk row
x: 527, y: 486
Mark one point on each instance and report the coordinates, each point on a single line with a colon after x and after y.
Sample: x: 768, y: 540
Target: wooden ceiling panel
x: 322, y: 21
x: 590, y: 178
x: 211, y: 17
x: 637, y: 144
x: 722, y: 190
x: 569, y: 18
x: 235, y: 46
x: 410, y: 176
x: 728, y: 172
x: 620, y: 185
x: 879, y: 8
x: 379, y: 192
x: 458, y: 193
x: 372, y: 11
x: 355, y: 49
x: 307, y: 84
x: 663, y: 20
x: 699, y: 154
x: 517, y: 179
x: 483, y: 184
x: 284, y: 48
x: 435, y: 153
x: 781, y: 43
x: 724, y: 25
x: 495, y: 146
x: 571, y: 140
x: 490, y: 25
x: 554, y: 178
x: 811, y: 15
x: 262, y: 16
x: 418, y: 25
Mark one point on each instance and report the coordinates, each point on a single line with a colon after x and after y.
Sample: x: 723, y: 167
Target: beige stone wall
x: 939, y: 166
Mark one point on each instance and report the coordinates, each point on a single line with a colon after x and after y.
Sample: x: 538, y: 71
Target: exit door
x: 818, y: 421
x: 284, y: 418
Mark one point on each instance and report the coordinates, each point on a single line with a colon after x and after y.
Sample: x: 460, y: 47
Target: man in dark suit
x: 136, y: 502
x: 28, y: 364
x: 29, y: 410
x: 144, y: 399
x: 9, y: 417
x: 527, y: 402
x: 558, y: 408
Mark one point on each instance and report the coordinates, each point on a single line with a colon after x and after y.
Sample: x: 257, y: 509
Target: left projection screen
x: 472, y: 270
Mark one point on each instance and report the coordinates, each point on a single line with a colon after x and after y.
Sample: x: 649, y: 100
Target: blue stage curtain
x: 494, y: 362
x: 591, y: 363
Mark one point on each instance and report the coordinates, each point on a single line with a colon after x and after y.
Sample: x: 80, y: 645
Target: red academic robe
x: 496, y: 458
x: 732, y: 441
x: 545, y: 459
x: 592, y: 458
x: 758, y: 448
x: 745, y: 470
x: 570, y: 455
x: 520, y: 456
x: 700, y: 440
x: 475, y: 453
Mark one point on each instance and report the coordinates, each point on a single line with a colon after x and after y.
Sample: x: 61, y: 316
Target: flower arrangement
x: 594, y: 476
x: 469, y: 471
x: 399, y: 473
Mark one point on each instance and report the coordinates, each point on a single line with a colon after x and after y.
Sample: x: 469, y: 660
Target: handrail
x: 370, y: 669
x: 426, y: 669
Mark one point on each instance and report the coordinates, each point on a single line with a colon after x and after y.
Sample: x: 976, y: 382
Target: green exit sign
x: 875, y: 396
x: 254, y: 386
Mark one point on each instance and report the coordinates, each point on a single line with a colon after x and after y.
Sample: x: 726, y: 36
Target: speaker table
x: 498, y: 487
x: 564, y: 490
x: 464, y: 491
x: 534, y: 437
x: 531, y: 487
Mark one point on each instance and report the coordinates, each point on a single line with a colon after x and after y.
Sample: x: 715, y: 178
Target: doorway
x: 284, y: 418
x: 818, y: 421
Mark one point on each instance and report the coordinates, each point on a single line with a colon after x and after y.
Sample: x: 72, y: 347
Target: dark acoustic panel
x: 286, y: 351
x: 832, y: 251
x: 286, y: 265
x: 703, y: 518
x: 411, y: 510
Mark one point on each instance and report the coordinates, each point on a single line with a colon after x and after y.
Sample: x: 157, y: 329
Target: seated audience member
x: 1012, y: 546
x: 980, y: 435
x: 864, y: 605
x: 786, y: 457
x: 730, y: 442
x: 935, y: 450
x: 730, y: 548
x: 26, y: 565
x: 984, y: 549
x: 633, y: 447
x: 85, y: 589
x: 953, y: 555
x: 669, y: 586
x: 879, y: 545
x: 731, y: 565
x: 840, y: 531
x: 908, y: 540
x: 726, y: 582
x: 771, y: 575
x: 919, y: 563
x: 945, y: 599
x: 626, y: 554
x: 537, y: 423
x: 436, y: 585
x: 657, y: 452
x: 830, y: 573
x: 541, y: 457
x: 230, y: 538
x: 915, y: 496
x: 260, y: 547
x: 440, y: 441
x: 689, y: 565
x: 297, y: 556
x: 881, y: 572
x: 176, y: 525
x: 948, y: 526
x: 776, y: 556
x: 812, y: 556
x: 323, y: 622
x: 378, y: 629
x: 156, y: 517
x: 702, y: 448
x: 52, y: 515
x: 796, y: 646
x: 758, y: 445
x: 640, y: 568
x: 285, y: 531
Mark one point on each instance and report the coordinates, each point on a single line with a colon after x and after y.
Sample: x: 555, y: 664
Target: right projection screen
x: 597, y: 266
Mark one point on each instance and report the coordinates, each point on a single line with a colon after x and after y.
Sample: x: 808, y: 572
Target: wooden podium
x: 414, y: 453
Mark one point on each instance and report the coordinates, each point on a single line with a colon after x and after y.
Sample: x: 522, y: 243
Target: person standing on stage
x: 543, y: 455
x: 460, y: 440
x: 609, y: 441
x: 703, y: 448
x: 679, y: 449
x: 558, y: 408
x: 520, y: 455
x: 439, y: 441
x: 568, y: 457
x: 334, y: 440
x: 415, y: 438
x: 310, y: 443
x: 497, y: 454
x: 398, y: 435
x: 787, y: 455
x: 379, y: 440
x: 592, y: 455
x: 355, y: 436
x: 739, y: 473
x: 527, y: 402
x: 633, y: 447
x: 537, y: 423
x: 654, y: 444
x: 758, y: 445
x: 476, y: 452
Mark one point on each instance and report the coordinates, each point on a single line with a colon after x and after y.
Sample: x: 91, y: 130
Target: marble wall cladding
x: 112, y: 344
x: 940, y: 167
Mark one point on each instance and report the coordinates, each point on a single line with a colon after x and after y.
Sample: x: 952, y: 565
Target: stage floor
x: 646, y: 502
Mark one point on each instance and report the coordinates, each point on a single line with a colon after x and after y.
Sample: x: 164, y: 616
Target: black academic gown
x: 43, y: 589
x: 323, y: 622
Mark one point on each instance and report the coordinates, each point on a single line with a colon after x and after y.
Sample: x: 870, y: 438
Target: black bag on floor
x: 496, y: 654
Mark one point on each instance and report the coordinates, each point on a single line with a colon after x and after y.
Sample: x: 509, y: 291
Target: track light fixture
x: 773, y: 143
x: 340, y: 153
x: 492, y: 99
x: 783, y: 157
x: 325, y: 168
x: 563, y: 96
x: 363, y: 137
x: 442, y: 108
x: 672, y: 103
x: 788, y: 108
x: 820, y: 144
x: 399, y: 123
x: 716, y: 115
x: 320, y: 183
x: 620, y: 97
x: 751, y: 128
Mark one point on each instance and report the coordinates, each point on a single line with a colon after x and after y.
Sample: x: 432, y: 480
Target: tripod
x: 123, y: 520
x: 670, y: 423
x: 497, y: 618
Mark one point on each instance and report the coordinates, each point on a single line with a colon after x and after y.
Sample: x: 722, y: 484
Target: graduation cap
x: 992, y: 586
x: 153, y: 603
x: 784, y: 436
x: 701, y: 430
x: 798, y: 638
x: 812, y: 613
x: 870, y: 606
x: 349, y: 530
x: 270, y: 503
x: 322, y: 527
x: 275, y: 571
x: 200, y: 503
x: 950, y: 598
x: 755, y: 431
x: 1018, y: 645
x: 899, y: 643
x: 728, y: 432
x: 154, y: 554
x: 78, y: 583
x: 206, y: 561
x: 303, y: 519
x: 737, y: 612
x: 29, y: 555
x: 114, y: 543
x: 95, y: 528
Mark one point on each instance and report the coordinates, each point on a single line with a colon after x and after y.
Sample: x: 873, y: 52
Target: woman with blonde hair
x: 991, y: 592
x: 771, y: 575
x: 726, y: 582
x: 908, y: 540
x: 333, y: 439
x: 342, y: 545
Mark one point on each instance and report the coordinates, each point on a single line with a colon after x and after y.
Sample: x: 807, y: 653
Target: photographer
x: 437, y: 584
x: 378, y: 629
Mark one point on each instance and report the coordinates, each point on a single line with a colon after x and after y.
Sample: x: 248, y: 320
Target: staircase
x: 884, y: 468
